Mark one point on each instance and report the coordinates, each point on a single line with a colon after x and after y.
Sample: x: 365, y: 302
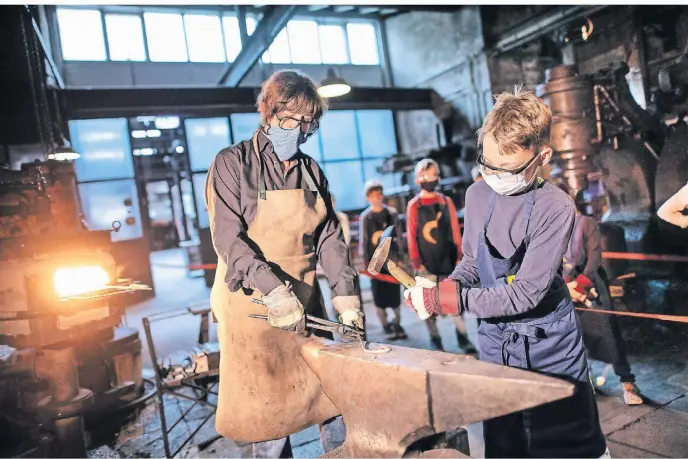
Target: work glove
x: 581, y: 295
x: 349, y: 309
x: 285, y: 311
x: 424, y: 298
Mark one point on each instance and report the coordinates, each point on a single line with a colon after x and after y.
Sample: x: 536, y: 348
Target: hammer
x: 381, y: 259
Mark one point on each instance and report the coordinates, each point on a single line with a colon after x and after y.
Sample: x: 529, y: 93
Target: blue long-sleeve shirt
x: 550, y: 227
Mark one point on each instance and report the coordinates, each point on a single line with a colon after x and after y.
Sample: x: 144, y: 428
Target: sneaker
x: 436, y: 343
x: 390, y: 333
x: 401, y: 333
x: 631, y: 394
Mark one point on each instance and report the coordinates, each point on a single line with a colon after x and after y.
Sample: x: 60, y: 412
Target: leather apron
x: 266, y: 389
x: 546, y: 340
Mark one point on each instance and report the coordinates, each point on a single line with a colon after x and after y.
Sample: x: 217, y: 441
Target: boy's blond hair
x: 517, y: 120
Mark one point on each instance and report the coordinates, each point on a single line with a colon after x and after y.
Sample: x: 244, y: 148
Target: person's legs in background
x: 462, y: 336
x: 435, y: 339
x: 388, y: 328
x: 623, y: 369
x: 396, y: 324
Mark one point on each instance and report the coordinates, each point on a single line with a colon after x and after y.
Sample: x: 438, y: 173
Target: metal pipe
x: 598, y: 115
x: 539, y: 27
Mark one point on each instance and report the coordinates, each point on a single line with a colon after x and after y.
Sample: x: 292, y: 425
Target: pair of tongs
x: 317, y: 323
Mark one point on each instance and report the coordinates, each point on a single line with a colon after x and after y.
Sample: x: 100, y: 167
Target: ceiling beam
x: 275, y: 18
x: 209, y: 102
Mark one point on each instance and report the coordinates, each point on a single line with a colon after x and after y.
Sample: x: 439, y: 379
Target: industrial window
x: 304, y: 44
x: 278, y: 51
x: 376, y: 131
x: 333, y: 44
x: 232, y: 37
x: 354, y: 145
x: 362, y: 43
x: 166, y: 38
x: 125, y: 37
x: 104, y: 147
x: 81, y: 35
x: 204, y: 38
x: 338, y: 133
x: 205, y: 138
x: 244, y: 125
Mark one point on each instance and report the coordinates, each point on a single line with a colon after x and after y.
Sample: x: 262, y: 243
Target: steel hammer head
x: 379, y: 258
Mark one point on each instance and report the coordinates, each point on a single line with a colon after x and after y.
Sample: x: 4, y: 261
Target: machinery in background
x: 64, y: 359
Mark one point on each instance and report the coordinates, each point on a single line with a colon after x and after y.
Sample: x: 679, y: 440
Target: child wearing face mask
x: 434, y: 241
x: 372, y: 225
x: 517, y: 229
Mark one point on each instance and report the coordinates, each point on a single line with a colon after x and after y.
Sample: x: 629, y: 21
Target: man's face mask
x: 289, y: 134
x: 512, y: 182
x: 285, y: 142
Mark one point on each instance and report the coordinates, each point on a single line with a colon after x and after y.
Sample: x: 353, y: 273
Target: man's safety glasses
x: 289, y: 122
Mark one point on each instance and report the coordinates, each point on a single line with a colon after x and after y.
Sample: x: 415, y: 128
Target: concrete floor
x: 656, y: 429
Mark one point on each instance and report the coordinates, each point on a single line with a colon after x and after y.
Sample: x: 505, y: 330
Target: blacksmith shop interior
x: 163, y: 165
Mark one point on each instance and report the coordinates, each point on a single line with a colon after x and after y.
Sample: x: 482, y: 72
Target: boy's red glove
x: 584, y: 283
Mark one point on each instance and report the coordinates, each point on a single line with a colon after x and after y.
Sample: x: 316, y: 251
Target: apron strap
x: 489, y: 210
x: 309, y: 179
x: 262, y: 189
x: 527, y: 212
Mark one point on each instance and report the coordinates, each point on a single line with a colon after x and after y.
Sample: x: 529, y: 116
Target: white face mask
x: 508, y: 184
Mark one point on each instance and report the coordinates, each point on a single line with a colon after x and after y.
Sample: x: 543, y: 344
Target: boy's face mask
x: 510, y: 182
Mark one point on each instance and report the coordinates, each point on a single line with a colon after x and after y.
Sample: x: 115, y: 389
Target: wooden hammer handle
x: 399, y: 274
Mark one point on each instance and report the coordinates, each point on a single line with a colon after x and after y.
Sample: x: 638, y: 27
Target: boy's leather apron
x: 267, y: 391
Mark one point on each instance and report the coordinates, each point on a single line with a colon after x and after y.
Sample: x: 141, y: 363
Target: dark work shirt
x: 371, y: 222
x: 584, y: 255
x: 232, y: 187
x: 550, y: 227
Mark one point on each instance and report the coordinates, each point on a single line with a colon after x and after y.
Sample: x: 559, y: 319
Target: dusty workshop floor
x: 657, y: 429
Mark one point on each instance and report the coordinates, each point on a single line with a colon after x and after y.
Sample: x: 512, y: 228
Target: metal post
x: 158, y: 385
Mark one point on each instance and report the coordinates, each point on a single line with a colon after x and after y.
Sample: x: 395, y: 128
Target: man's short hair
x: 290, y: 90
x: 517, y: 120
x: 372, y: 185
x: 425, y: 164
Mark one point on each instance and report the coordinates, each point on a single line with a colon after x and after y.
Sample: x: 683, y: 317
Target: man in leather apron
x: 434, y: 242
x: 601, y: 333
x: 517, y: 228
x: 272, y: 220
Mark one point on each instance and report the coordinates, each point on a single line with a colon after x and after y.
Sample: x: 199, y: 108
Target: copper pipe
x: 598, y: 115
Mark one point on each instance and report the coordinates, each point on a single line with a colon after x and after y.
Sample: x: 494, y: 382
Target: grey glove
x: 349, y: 309
x: 285, y: 311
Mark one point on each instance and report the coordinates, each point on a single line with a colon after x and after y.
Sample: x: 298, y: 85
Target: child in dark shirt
x: 372, y: 222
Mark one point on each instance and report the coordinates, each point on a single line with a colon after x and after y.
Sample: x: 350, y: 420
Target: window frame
x: 103, y: 31
x: 135, y: 10
x: 146, y: 57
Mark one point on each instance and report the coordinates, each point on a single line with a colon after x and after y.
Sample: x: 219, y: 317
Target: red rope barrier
x: 644, y: 257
